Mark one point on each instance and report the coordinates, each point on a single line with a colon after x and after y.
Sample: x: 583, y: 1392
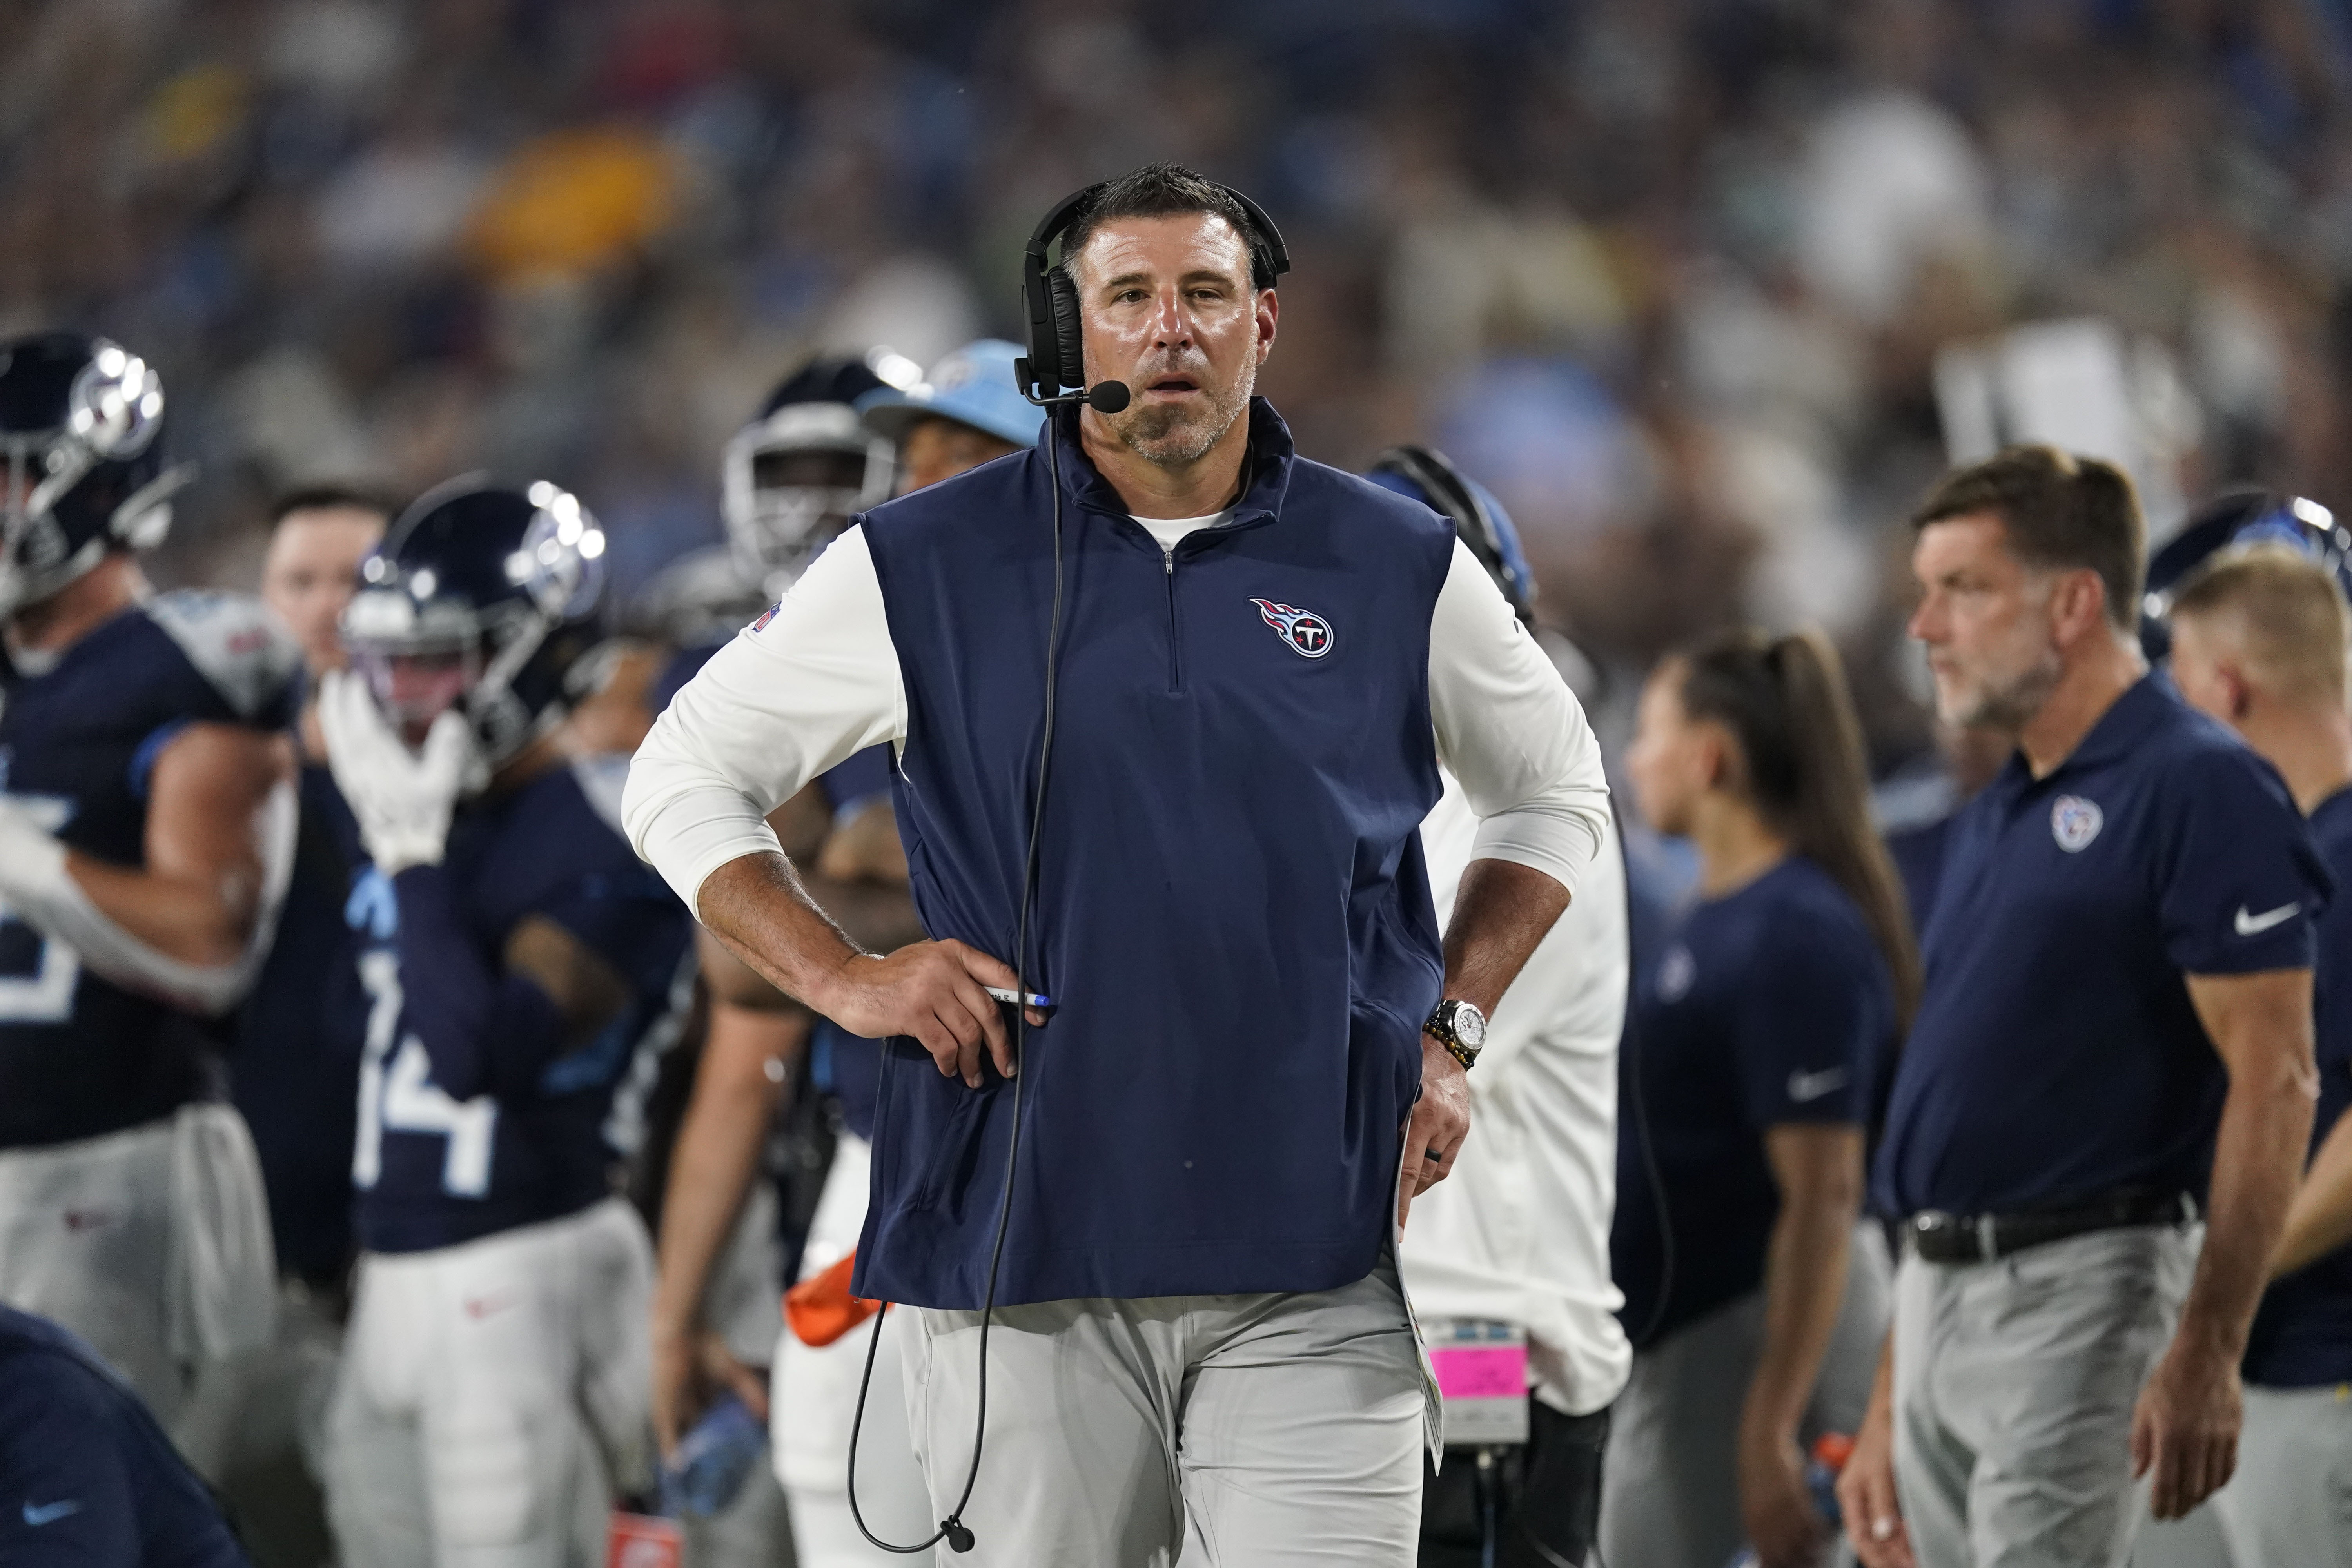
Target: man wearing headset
x: 1255, y: 665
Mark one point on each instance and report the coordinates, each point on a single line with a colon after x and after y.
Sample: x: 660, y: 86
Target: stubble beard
x: 1177, y: 438
x: 2009, y: 706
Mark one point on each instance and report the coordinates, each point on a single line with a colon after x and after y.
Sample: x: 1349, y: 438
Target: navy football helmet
x: 81, y: 425
x: 793, y: 477
x: 2242, y: 517
x: 485, y: 597
x: 1428, y: 476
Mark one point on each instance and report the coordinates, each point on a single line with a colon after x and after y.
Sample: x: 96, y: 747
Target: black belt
x: 1940, y: 1238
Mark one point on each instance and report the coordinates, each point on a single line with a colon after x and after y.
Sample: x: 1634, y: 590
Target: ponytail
x: 1785, y: 702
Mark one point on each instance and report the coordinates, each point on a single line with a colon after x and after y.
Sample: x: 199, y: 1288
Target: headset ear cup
x: 1069, y: 341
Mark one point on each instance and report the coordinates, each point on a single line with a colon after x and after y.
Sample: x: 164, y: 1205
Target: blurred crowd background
x: 1671, y: 276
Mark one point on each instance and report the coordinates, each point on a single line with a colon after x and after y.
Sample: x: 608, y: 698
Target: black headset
x: 1056, y: 354
x: 1459, y: 503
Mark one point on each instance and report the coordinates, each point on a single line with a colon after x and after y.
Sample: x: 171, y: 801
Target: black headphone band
x: 1268, y: 255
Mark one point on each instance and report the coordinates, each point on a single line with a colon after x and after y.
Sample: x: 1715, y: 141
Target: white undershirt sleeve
x: 772, y: 710
x: 1510, y: 729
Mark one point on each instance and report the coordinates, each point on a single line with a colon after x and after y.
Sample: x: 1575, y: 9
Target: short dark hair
x: 2070, y: 512
x: 329, y: 498
x: 1164, y: 190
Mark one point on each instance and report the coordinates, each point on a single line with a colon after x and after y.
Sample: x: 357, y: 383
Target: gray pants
x: 1246, y: 1431
x: 2290, y: 1504
x: 1670, y: 1480
x: 2014, y: 1385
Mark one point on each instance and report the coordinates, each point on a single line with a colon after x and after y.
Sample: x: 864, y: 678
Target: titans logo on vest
x: 1307, y: 633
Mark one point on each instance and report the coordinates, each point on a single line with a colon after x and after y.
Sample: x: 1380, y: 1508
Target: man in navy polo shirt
x: 2113, y: 1041
x: 1198, y: 1337
x: 2259, y: 640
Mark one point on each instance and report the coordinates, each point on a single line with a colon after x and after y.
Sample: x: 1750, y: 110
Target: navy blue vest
x: 1231, y: 913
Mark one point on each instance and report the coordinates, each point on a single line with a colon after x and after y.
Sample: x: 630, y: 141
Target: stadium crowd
x: 418, y: 1180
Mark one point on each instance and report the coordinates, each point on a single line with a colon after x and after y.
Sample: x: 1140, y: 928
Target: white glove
x: 403, y: 799
x: 32, y: 862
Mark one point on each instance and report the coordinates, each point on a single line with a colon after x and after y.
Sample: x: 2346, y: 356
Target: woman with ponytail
x: 1756, y: 1295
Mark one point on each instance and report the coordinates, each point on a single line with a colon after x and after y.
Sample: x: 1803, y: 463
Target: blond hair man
x: 2258, y: 641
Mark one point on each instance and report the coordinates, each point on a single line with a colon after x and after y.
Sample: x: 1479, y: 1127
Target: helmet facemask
x: 792, y: 481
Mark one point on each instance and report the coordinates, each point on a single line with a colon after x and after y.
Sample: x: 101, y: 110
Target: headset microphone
x: 1103, y: 396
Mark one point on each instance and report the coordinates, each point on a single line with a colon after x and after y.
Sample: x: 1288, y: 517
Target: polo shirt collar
x: 1267, y: 464
x: 2143, y: 706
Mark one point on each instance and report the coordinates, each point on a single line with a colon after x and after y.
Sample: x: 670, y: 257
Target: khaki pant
x: 1273, y: 1431
x: 1669, y: 1478
x: 2290, y: 1503
x: 2014, y: 1387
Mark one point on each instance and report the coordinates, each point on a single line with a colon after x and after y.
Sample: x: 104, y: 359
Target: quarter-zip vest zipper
x: 1175, y: 655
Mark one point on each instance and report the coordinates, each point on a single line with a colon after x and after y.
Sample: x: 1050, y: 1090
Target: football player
x: 146, y: 830
x: 515, y: 956
x: 788, y: 481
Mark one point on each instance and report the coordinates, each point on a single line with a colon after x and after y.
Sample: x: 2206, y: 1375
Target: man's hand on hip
x: 2185, y: 1429
x: 1440, y: 1121
x: 931, y: 992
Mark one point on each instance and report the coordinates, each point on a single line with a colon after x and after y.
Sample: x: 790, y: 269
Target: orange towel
x: 821, y: 1310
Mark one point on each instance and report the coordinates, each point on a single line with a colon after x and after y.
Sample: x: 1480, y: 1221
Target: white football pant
x: 492, y: 1396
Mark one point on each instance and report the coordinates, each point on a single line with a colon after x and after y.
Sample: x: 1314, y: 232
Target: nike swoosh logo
x: 48, y: 1513
x: 1805, y: 1086
x: 2255, y: 925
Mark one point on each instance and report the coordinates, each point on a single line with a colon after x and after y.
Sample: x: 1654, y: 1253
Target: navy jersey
x: 294, y: 1070
x: 81, y: 1056
x: 2056, y: 1056
x: 2302, y: 1335
x: 87, y: 1478
x: 1771, y: 1006
x: 475, y: 1115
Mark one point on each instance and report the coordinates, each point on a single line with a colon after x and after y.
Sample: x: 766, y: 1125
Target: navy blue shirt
x: 1918, y: 855
x: 2302, y: 1335
x: 87, y: 1478
x: 80, y: 1056
x: 1770, y: 1005
x: 1233, y: 914
x: 476, y: 1115
x: 295, y: 1073
x: 2056, y: 1056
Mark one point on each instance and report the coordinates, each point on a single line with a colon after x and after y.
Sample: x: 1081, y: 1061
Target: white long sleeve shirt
x: 817, y: 680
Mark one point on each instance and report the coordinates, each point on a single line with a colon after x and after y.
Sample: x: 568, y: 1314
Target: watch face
x: 1469, y: 1026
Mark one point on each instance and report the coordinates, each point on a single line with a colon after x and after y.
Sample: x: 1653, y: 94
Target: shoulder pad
x: 235, y: 643
x: 601, y: 779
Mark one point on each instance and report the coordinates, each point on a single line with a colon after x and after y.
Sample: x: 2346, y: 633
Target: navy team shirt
x: 87, y: 1478
x: 80, y: 1056
x: 474, y: 1114
x: 2056, y: 1056
x: 1771, y: 1006
x: 2302, y: 1335
x: 295, y: 1071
